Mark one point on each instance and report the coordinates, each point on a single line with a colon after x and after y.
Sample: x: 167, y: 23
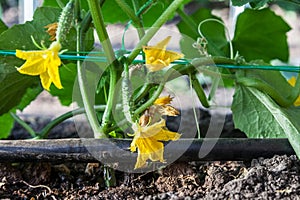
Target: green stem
x: 194, y: 105
x: 199, y: 91
x: 150, y: 101
x: 260, y: 85
x: 60, y: 4
x: 226, y: 32
x: 82, y: 81
x: 215, y: 84
x: 205, y: 63
x: 295, y: 93
x: 109, y: 53
x: 45, y: 131
x: 142, y: 92
x: 130, y: 13
x: 140, y: 30
x: 24, y: 124
x: 98, y: 20
x: 155, y: 27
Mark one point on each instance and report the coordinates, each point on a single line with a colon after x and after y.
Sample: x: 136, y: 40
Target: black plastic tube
x: 93, y: 150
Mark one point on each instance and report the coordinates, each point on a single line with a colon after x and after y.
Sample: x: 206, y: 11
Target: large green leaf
x: 3, y: 27
x: 252, y: 116
x: 6, y: 120
x: 261, y: 34
x: 19, y: 36
x: 213, y: 32
x: 255, y: 113
x: 6, y: 124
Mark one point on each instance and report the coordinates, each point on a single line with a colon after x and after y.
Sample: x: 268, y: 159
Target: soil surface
x: 275, y: 178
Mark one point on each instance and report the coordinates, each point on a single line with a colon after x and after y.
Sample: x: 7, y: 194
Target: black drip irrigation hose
x: 117, y: 150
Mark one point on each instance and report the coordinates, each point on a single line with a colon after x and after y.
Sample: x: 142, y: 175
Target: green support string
x: 72, y: 56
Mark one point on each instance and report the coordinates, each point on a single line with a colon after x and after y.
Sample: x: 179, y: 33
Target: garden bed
x: 274, y: 178
x: 65, y: 169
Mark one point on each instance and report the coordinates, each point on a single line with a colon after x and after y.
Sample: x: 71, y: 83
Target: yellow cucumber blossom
x: 44, y: 63
x: 157, y: 57
x: 292, y: 82
x: 161, y: 105
x: 162, y: 101
x: 151, y: 130
x: 148, y: 140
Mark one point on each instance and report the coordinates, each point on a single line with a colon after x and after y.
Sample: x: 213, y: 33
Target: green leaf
x: 213, y: 32
x: 251, y: 116
x: 255, y: 113
x: 261, y: 34
x: 6, y: 124
x: 6, y: 121
x: 11, y: 40
x: 3, y: 27
x: 12, y: 88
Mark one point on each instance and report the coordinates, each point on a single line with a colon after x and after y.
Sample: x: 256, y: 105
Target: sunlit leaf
x: 255, y: 113
x: 261, y: 34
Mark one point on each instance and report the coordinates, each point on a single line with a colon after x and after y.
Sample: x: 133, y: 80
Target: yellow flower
x: 157, y: 57
x: 147, y: 139
x: 44, y: 63
x: 292, y: 82
x: 162, y: 106
x: 163, y: 100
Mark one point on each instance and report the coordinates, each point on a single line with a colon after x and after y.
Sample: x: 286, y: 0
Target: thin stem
x: 45, y: 131
x: 24, y: 124
x: 226, y: 30
x: 150, y: 101
x: 140, y: 30
x: 91, y: 115
x: 155, y: 27
x: 60, y: 4
x: 215, y: 85
x: 199, y: 91
x: 194, y: 107
x: 201, y: 64
x: 109, y: 53
x: 101, y: 31
x: 260, y: 85
x: 142, y: 92
x: 129, y: 12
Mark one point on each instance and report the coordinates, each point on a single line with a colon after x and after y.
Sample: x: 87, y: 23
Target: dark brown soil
x: 275, y: 178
